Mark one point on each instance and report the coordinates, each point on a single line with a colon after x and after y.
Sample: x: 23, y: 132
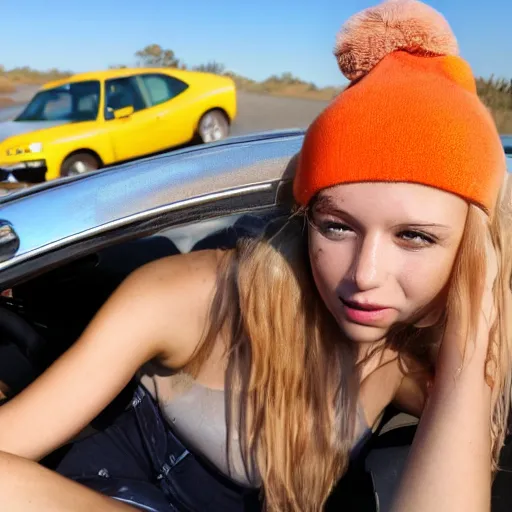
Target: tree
x: 154, y: 56
x: 212, y: 67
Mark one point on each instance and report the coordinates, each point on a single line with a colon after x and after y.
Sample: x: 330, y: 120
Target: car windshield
x: 76, y: 101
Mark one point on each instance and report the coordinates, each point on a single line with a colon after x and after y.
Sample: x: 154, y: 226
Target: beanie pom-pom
x: 395, y: 25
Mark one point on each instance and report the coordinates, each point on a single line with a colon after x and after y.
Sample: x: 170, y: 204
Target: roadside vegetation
x: 496, y: 93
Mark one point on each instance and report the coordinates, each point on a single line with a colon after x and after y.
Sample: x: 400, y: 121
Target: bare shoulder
x: 187, y: 270
x: 178, y: 291
x: 412, y: 393
x: 388, y: 378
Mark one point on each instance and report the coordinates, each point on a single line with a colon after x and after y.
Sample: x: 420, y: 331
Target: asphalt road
x: 261, y: 112
x: 255, y: 112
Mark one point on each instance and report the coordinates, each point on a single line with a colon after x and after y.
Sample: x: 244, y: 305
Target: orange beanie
x: 411, y: 113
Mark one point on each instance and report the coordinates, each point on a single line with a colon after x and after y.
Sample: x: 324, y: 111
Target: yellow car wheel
x: 78, y: 164
x: 213, y: 126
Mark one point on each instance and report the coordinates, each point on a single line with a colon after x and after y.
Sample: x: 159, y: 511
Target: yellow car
x: 95, y: 119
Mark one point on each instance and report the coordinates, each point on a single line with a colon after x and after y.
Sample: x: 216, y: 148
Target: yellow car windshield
x: 78, y: 101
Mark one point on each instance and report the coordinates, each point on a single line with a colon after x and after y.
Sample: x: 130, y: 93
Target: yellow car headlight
x: 34, y: 147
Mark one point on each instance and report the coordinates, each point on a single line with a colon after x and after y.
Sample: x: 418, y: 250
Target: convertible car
x: 65, y: 245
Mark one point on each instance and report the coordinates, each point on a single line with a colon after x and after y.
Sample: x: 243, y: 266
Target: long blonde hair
x: 469, y: 278
x: 292, y: 380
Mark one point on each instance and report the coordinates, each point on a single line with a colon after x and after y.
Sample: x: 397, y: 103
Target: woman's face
x: 382, y: 252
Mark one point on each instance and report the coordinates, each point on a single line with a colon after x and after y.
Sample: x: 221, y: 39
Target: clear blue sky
x: 252, y: 38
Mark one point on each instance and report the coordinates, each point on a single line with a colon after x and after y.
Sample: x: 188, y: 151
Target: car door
x: 131, y: 135
x: 172, y: 123
x: 96, y: 209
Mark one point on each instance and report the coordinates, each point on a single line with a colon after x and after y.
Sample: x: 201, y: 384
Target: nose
x: 370, y: 263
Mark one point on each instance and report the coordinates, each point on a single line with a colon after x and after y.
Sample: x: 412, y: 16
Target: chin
x: 362, y: 334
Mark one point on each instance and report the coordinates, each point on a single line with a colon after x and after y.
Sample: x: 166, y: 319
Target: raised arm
x: 449, y: 466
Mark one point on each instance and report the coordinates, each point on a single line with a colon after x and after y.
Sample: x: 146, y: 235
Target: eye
x: 416, y: 238
x: 332, y: 229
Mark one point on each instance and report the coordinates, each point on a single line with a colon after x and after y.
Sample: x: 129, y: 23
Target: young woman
x: 264, y: 368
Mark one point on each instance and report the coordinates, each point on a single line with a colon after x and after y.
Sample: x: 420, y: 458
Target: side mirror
x: 123, y: 112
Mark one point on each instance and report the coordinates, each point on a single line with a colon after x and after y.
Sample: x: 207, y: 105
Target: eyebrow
x: 327, y: 203
x: 425, y: 225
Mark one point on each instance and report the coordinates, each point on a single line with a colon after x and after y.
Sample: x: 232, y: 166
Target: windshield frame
x: 34, y: 110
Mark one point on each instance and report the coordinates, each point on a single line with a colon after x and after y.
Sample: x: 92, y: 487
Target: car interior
x: 40, y: 318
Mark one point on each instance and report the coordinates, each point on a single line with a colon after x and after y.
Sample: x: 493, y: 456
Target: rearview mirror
x: 123, y: 112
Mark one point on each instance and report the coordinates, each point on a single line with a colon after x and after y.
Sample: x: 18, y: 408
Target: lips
x: 365, y: 314
x: 362, y: 307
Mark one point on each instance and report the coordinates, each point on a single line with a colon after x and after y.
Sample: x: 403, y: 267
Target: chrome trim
x: 73, y: 211
x: 132, y: 219
x: 263, y: 137
x: 26, y: 164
